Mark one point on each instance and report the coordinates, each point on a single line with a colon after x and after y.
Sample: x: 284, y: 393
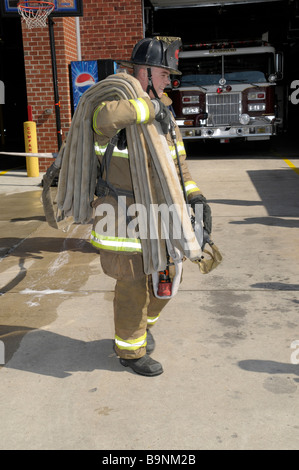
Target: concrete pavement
x: 228, y: 342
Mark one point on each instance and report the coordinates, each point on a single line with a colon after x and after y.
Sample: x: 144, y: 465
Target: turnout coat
x: 114, y: 227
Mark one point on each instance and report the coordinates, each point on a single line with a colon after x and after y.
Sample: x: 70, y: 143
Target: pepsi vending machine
x: 85, y: 73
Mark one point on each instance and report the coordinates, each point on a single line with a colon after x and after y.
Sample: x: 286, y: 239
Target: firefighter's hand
x: 162, y: 115
x: 207, y: 213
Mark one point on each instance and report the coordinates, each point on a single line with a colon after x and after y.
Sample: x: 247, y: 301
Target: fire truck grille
x: 223, y: 109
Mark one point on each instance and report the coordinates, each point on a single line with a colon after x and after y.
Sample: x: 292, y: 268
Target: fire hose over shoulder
x: 153, y: 171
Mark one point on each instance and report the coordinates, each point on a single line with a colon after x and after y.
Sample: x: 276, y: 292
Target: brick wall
x: 108, y: 30
x: 39, y: 80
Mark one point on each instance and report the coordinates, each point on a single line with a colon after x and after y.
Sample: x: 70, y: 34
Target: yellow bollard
x: 31, y: 147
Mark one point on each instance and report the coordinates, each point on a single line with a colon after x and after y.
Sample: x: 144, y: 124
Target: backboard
x: 62, y: 8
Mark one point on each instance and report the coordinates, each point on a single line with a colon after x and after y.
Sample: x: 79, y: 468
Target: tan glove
x: 207, y: 265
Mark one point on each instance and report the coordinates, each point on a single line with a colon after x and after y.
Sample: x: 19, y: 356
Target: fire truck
x: 227, y: 91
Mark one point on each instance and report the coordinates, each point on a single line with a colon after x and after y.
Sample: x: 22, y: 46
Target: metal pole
x: 55, y: 82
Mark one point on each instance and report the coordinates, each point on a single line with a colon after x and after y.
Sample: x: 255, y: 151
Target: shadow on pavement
x: 269, y: 367
x: 55, y: 355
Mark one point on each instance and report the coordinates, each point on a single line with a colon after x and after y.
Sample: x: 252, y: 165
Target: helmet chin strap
x: 150, y: 85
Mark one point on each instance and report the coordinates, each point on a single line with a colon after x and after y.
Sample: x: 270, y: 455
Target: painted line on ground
x: 3, y: 172
x: 291, y: 165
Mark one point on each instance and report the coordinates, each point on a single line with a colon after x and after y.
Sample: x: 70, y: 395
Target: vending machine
x: 85, y: 73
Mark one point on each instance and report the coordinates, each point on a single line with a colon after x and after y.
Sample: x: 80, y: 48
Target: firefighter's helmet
x: 156, y: 52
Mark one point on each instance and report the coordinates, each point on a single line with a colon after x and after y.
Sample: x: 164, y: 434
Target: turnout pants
x: 135, y: 306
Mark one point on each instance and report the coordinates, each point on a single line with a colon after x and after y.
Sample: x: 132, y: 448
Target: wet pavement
x: 228, y: 342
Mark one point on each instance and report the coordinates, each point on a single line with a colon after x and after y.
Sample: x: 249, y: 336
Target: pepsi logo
x: 84, y: 81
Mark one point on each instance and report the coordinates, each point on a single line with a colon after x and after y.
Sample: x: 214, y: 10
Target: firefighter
x: 136, y: 308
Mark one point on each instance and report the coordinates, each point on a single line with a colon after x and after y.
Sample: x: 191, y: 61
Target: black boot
x: 150, y: 346
x: 144, y: 365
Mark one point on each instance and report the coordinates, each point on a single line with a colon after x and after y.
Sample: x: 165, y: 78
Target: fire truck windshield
x: 237, y: 68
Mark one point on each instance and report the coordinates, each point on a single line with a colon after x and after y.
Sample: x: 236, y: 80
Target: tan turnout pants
x: 135, y: 306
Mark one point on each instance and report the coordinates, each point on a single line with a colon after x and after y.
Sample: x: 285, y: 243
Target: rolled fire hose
x: 154, y: 176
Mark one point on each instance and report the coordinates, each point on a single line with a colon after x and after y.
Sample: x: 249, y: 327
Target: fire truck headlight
x: 272, y: 78
x: 244, y: 119
x: 191, y: 110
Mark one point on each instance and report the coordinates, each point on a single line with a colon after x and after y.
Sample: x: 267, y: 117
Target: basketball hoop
x: 34, y: 13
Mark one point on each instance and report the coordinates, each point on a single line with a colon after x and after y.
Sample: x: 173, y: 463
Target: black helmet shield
x: 154, y: 52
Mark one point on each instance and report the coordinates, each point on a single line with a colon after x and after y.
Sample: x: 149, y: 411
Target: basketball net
x: 35, y: 13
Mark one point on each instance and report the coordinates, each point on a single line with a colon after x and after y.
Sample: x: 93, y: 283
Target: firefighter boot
x: 144, y: 365
x: 150, y: 342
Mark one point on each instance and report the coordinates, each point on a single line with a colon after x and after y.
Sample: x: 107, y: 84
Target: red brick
x: 106, y: 30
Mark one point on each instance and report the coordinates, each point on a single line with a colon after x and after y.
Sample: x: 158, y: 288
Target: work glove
x: 162, y: 115
x: 122, y: 139
x: 207, y: 213
x: 211, y: 259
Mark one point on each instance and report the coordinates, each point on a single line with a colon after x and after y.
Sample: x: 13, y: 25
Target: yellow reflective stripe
x: 152, y: 320
x: 115, y: 243
x: 133, y: 344
x: 120, y: 153
x: 95, y: 115
x: 100, y: 150
x: 191, y: 187
x: 172, y: 152
x: 180, y: 148
x: 141, y: 109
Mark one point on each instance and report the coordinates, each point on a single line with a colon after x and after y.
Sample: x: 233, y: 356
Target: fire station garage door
x: 207, y: 21
x: 193, y: 3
